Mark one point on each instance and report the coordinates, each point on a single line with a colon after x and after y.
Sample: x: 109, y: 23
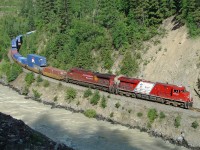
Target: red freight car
x: 91, y: 79
x: 164, y: 93
x: 54, y: 73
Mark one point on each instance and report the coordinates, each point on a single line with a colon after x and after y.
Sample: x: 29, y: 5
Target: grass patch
x: 55, y: 99
x: 129, y: 111
x: 36, y: 94
x: 90, y: 113
x: 139, y: 114
x: 70, y: 94
x: 162, y: 115
x: 29, y: 78
x: 177, y: 121
x: 195, y: 124
x: 152, y: 115
x: 39, y: 79
x: 46, y: 83
x: 25, y: 90
x: 95, y: 98
x: 87, y: 93
x: 103, y: 102
x: 117, y: 105
x: 111, y: 114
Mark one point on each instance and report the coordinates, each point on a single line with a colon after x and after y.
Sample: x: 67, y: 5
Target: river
x: 76, y: 130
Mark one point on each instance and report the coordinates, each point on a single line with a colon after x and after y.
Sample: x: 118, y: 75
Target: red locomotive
x: 160, y: 92
x: 92, y: 79
x: 136, y: 88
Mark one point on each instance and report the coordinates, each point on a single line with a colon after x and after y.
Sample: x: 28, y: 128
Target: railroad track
x: 195, y: 109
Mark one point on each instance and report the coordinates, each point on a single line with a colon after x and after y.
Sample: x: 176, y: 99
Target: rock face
x: 15, y: 134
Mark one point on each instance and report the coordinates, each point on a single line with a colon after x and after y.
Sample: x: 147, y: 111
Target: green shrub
x: 87, y: 93
x: 139, y: 114
x: 59, y: 84
x: 111, y: 114
x: 152, y: 115
x: 195, y: 124
x: 90, y: 113
x: 13, y: 72
x: 103, y: 102
x: 129, y: 111
x: 149, y: 125
x: 162, y: 115
x: 177, y: 121
x: 117, y: 105
x: 95, y: 98
x: 55, y: 99
x: 39, y: 79
x: 36, y: 94
x: 78, y: 103
x: 25, y: 90
x: 29, y: 78
x: 46, y: 83
x: 71, y: 94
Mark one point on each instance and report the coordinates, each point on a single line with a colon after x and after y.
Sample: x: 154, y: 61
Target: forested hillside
x: 10, y: 26
x: 93, y: 34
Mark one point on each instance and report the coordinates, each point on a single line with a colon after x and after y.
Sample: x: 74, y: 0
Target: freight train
x: 137, y: 88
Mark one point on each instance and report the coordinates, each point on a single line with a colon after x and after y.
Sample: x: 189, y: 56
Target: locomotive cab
x: 180, y: 93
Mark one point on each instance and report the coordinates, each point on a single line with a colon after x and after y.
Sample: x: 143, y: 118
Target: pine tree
x: 154, y: 14
x: 138, y: 10
x: 107, y: 13
x: 164, y: 9
x: 62, y: 13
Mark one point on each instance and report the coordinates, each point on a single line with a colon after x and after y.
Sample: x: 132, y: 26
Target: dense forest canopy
x: 92, y: 33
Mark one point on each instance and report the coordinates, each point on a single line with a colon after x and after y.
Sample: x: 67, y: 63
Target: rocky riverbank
x: 15, y: 134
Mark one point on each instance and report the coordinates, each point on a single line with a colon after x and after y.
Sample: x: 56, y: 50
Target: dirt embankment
x: 174, y: 59
x: 126, y: 114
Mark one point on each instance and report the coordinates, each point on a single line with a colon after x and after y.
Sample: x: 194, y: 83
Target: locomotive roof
x: 106, y: 75
x: 81, y: 70
x: 133, y: 80
x: 127, y: 79
x: 172, y: 85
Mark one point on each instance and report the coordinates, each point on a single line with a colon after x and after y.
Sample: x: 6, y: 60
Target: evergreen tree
x: 107, y: 13
x: 154, y: 14
x: 62, y: 14
x: 139, y: 11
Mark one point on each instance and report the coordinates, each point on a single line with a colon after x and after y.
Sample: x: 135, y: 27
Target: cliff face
x: 175, y: 59
x: 15, y: 134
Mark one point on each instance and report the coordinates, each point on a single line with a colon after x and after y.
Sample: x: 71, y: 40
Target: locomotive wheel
x: 112, y: 90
